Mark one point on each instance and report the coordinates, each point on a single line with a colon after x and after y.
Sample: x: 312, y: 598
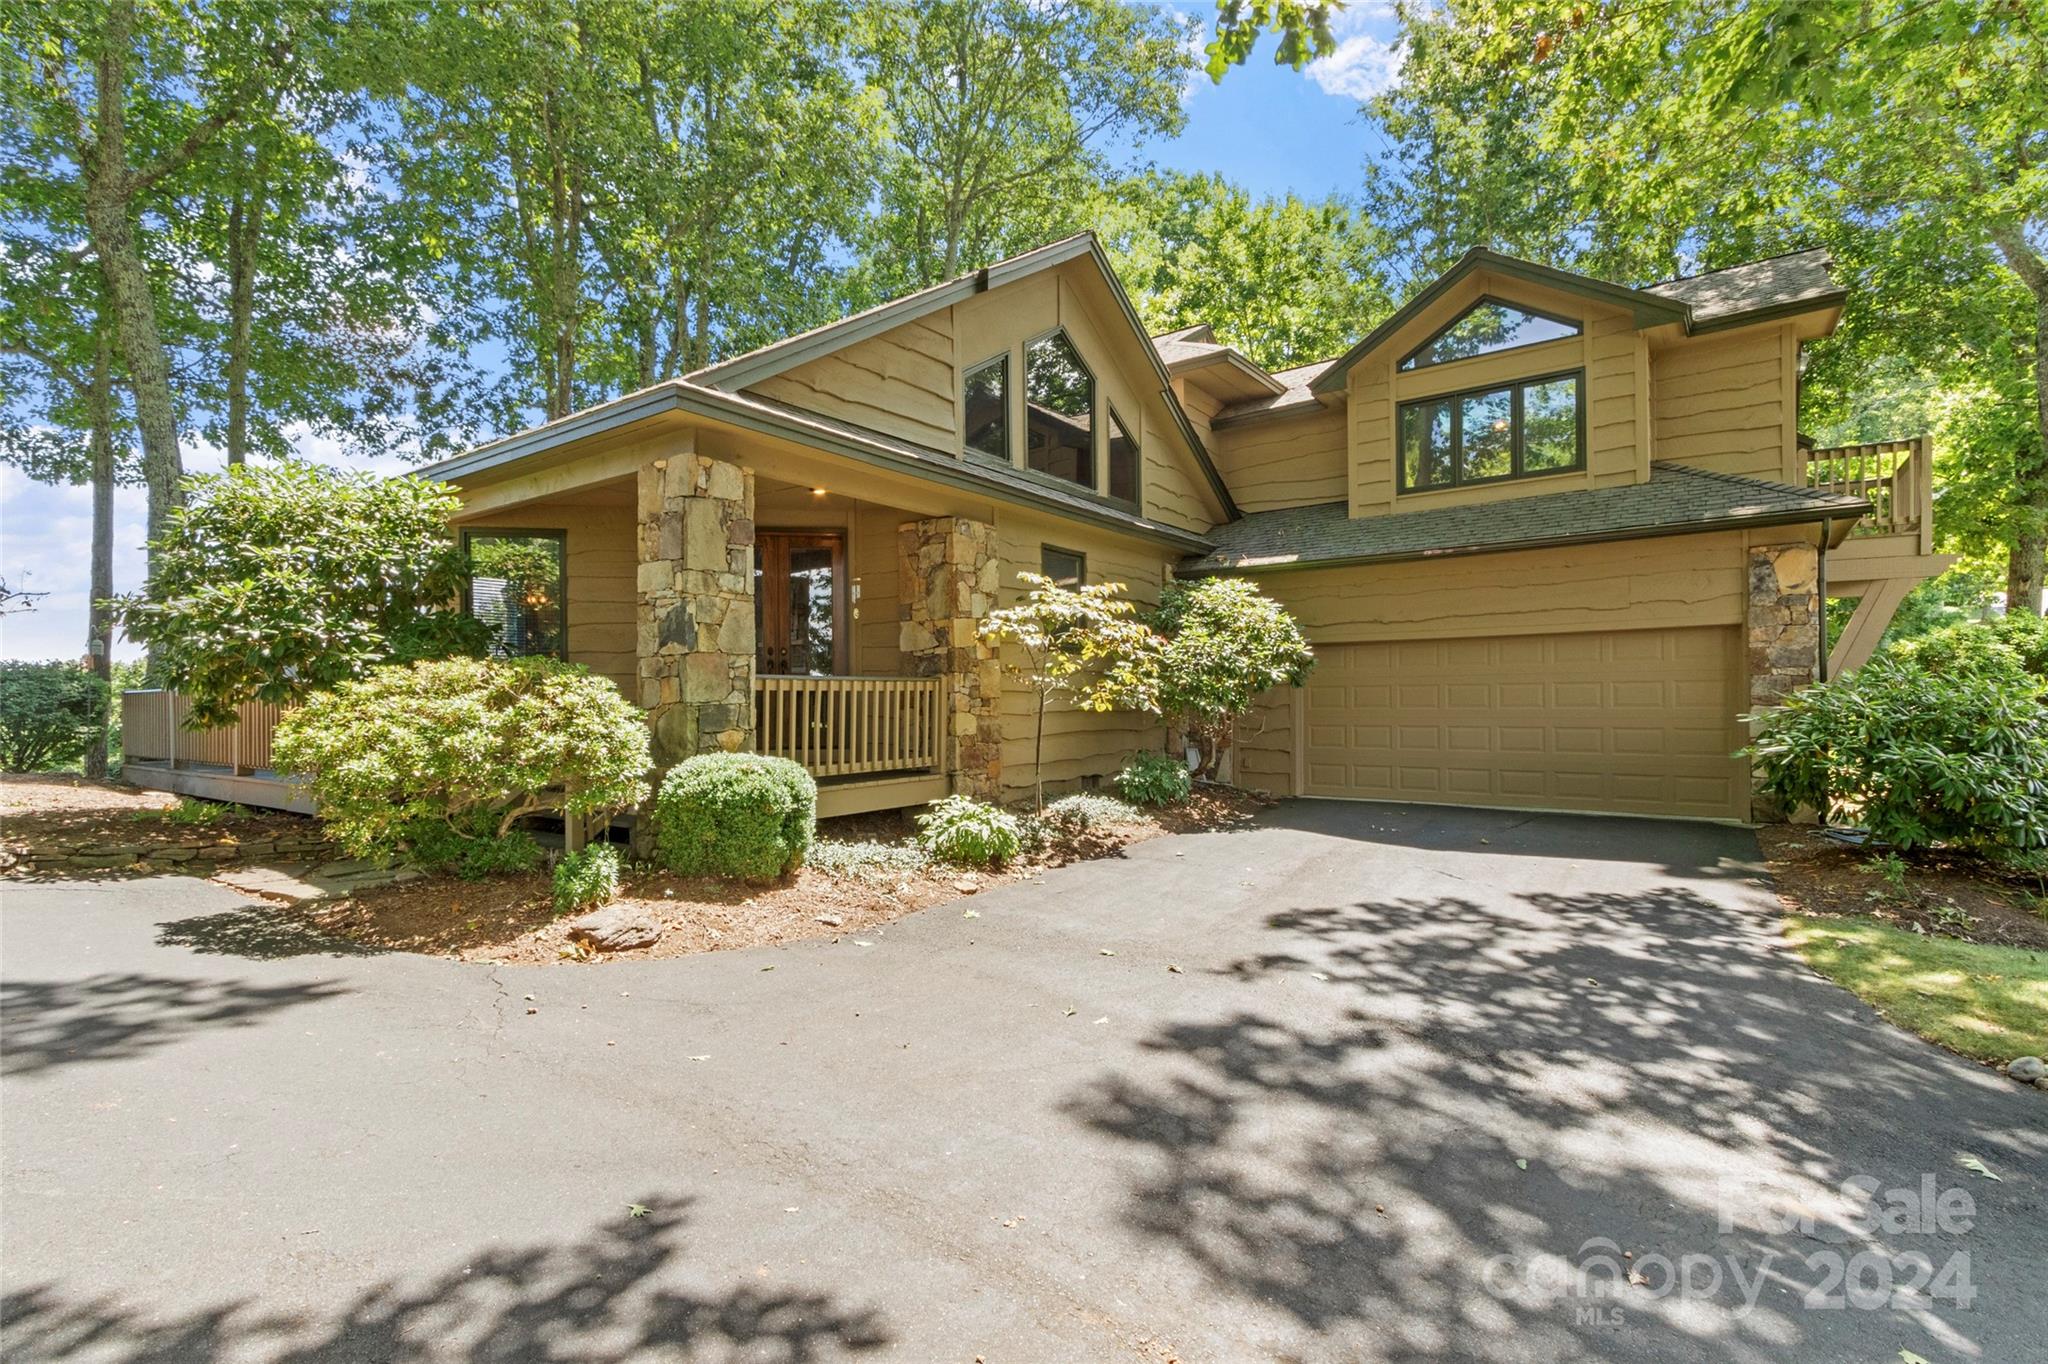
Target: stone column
x: 1784, y: 633
x: 696, y: 606
x: 948, y: 587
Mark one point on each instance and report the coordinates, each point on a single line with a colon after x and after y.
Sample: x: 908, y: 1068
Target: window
x: 1066, y: 567
x: 1486, y: 327
x: 519, y: 587
x: 987, y: 405
x: 1059, y: 410
x: 1511, y: 431
x: 1123, y: 460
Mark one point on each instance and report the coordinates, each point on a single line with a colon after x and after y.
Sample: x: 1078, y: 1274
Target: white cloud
x: 1365, y: 64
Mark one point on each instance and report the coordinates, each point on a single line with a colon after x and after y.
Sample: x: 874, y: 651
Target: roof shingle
x: 1676, y: 500
x: 1778, y: 282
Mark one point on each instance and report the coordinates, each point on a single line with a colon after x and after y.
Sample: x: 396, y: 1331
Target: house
x: 1550, y: 535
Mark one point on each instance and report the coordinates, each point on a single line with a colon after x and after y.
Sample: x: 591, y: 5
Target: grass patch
x: 1987, y: 1003
x: 191, y: 812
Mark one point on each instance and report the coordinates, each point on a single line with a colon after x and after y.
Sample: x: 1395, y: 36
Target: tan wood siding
x: 1292, y: 461
x: 1725, y: 403
x: 603, y: 562
x: 1623, y: 721
x: 1612, y: 436
x: 873, y: 554
x: 1078, y: 744
x: 901, y: 382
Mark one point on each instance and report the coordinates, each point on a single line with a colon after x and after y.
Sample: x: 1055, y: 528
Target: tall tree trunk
x: 110, y: 221
x: 99, y: 628
x: 2029, y: 562
x: 245, y: 236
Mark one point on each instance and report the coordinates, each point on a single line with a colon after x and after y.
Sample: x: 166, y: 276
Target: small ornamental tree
x: 1082, y: 643
x: 49, y: 713
x: 455, y: 750
x: 277, y: 581
x: 1226, y: 643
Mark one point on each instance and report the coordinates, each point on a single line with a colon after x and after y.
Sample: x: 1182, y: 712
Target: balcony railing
x: 153, y: 730
x: 846, y: 726
x: 1895, y: 476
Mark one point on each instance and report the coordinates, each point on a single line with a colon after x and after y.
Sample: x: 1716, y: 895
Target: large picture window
x: 987, y: 407
x: 1059, y: 410
x: 519, y: 587
x: 1535, y: 426
x: 1488, y: 326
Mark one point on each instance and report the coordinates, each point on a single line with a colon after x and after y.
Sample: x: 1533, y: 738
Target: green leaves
x: 277, y: 581
x: 49, y: 713
x: 1227, y: 643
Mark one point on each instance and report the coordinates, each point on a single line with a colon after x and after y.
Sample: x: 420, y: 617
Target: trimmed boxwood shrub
x: 968, y: 833
x: 739, y: 815
x: 1153, y: 779
x: 587, y: 878
x: 49, y: 713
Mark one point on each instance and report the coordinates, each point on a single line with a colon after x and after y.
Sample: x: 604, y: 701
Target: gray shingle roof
x: 1779, y: 282
x: 1677, y: 499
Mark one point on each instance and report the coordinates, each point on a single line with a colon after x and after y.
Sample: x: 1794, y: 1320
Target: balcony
x: 1895, y: 476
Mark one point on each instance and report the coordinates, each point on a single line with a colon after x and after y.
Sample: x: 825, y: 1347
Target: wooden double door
x: 801, y: 603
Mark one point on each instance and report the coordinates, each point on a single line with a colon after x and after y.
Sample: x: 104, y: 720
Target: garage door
x: 1628, y: 721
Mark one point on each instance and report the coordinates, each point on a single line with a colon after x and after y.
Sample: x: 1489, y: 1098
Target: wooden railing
x: 1895, y: 476
x: 153, y: 730
x: 842, y: 726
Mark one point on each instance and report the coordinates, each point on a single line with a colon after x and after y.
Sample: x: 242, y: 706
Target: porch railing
x: 153, y: 730
x: 1895, y: 476
x: 844, y: 726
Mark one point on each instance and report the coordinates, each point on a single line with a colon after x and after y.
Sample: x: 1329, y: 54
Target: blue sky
x: 1268, y: 128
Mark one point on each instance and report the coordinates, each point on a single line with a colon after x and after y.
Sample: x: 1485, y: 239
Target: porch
x: 872, y: 743
x: 1889, y: 551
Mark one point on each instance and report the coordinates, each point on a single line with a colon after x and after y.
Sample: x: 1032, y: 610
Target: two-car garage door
x: 1628, y: 721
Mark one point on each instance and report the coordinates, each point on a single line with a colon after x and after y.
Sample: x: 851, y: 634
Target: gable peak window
x: 1518, y: 430
x: 1059, y: 410
x: 986, y: 403
x: 1486, y: 327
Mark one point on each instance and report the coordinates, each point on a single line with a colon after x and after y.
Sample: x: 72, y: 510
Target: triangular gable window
x: 1488, y: 326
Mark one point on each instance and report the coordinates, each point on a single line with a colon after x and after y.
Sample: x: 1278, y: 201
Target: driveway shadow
x: 611, y: 1295
x: 259, y: 933
x: 51, y: 1024
x: 1427, y: 1124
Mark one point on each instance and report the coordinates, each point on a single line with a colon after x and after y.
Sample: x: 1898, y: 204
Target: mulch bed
x: 1951, y: 894
x: 510, y: 919
x: 59, y: 823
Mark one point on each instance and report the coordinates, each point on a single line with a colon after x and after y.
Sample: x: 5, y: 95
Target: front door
x: 800, y: 603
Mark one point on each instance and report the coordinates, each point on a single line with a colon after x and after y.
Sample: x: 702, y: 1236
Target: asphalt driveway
x: 1362, y: 1083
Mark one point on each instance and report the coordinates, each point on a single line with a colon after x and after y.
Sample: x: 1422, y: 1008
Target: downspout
x: 1821, y: 586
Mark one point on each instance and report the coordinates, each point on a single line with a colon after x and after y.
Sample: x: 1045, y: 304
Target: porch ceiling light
x: 817, y: 492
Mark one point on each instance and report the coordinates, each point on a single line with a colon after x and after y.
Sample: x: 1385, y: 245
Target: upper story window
x: 1059, y: 410
x: 1519, y: 430
x: 987, y: 407
x: 1066, y: 567
x: 1488, y: 326
x: 1123, y: 460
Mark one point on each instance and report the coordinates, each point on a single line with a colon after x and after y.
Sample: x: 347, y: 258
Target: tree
x: 1226, y: 644
x: 49, y: 714
x: 1303, y: 26
x: 997, y: 109
x: 119, y: 101
x: 277, y: 581
x: 1082, y: 643
x: 1921, y: 124
x: 1283, y: 280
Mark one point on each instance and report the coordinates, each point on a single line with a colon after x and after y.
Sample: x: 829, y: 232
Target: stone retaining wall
x: 199, y: 851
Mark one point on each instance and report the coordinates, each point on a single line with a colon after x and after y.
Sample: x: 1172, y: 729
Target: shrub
x: 1915, y: 758
x: 1227, y: 643
x: 740, y: 815
x: 874, y: 863
x: 277, y: 581
x: 2005, y: 648
x: 587, y: 879
x: 968, y: 833
x: 49, y: 714
x: 471, y: 848
x: 193, y: 812
x: 1085, y: 810
x: 1154, y: 779
x: 467, y: 745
